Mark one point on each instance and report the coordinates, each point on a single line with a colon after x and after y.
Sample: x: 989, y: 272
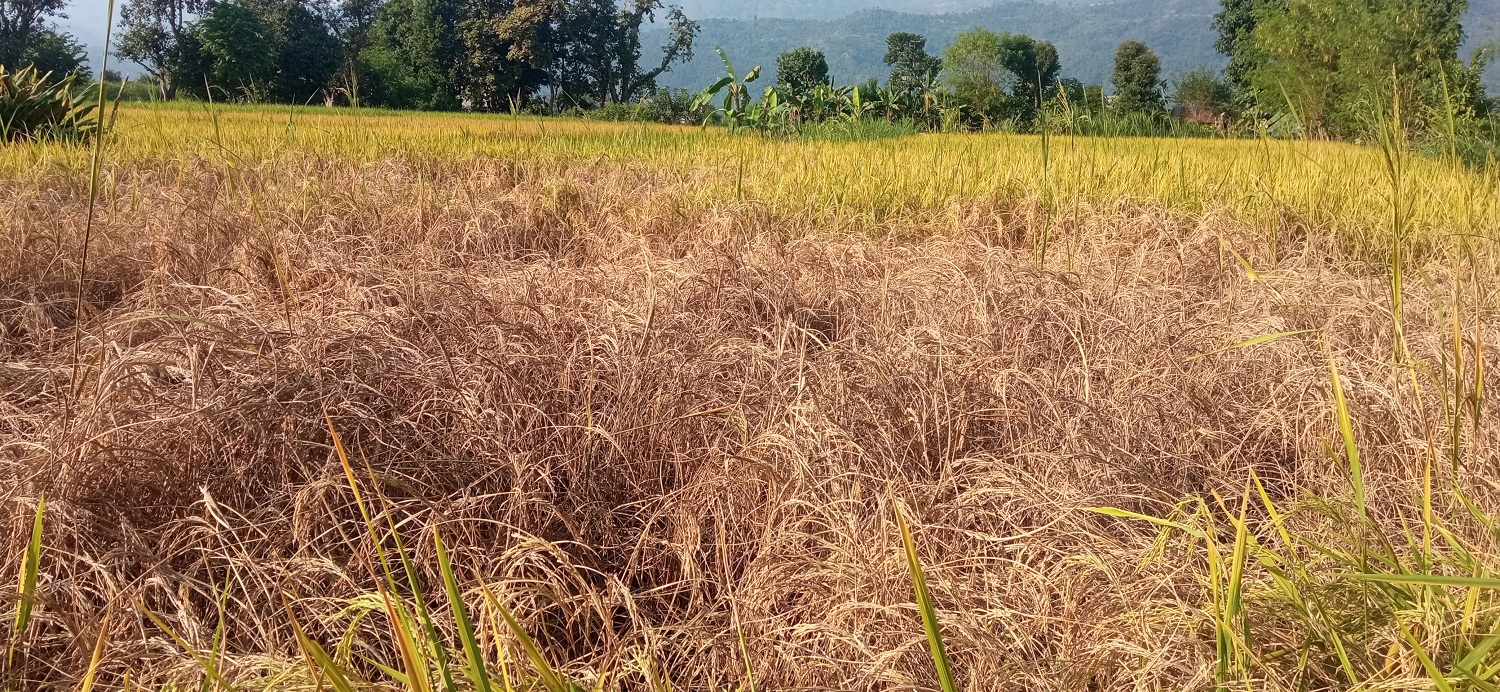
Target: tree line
x: 983, y: 80
x: 1320, y: 67
x: 486, y: 55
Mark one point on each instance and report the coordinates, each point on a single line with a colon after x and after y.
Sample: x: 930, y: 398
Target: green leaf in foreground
x: 31, y: 566
x: 1252, y: 341
x: 1430, y: 580
x: 477, y: 672
x: 924, y: 604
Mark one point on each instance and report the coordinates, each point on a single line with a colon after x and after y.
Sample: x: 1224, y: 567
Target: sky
x: 85, y: 21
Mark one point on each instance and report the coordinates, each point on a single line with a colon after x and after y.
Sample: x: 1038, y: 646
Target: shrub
x: 36, y: 107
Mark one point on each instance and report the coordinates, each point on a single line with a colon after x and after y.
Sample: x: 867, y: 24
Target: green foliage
x: 1235, y: 26
x: 135, y: 90
x: 28, y: 38
x: 503, y: 48
x: 22, y: 22
x: 33, y: 106
x: 413, y: 55
x: 799, y: 71
x: 1034, y: 65
x: 1048, y: 67
x: 1083, y: 33
x: 736, y: 90
x: 56, y: 52
x: 1202, y: 90
x: 1073, y: 96
x: 1137, y: 79
x: 1330, y: 63
x: 911, y: 65
x: 156, y: 34
x: 616, y: 71
x: 977, y: 74
x: 306, y: 52
x: 239, y: 48
x: 1000, y: 77
x: 856, y: 130
x: 660, y: 105
x: 495, y: 55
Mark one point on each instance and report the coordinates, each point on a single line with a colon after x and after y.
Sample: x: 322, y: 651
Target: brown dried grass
x: 636, y: 420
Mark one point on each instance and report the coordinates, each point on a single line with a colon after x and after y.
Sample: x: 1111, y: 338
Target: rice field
x: 306, y: 399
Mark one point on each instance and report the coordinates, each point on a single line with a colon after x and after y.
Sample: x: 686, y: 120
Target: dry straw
x: 452, y: 402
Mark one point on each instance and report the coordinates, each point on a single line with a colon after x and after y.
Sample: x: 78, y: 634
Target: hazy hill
x: 829, y: 9
x: 1085, y: 35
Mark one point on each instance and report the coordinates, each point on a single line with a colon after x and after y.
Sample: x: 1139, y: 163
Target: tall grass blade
x: 1428, y: 580
x: 31, y: 567
x: 208, y: 668
x: 494, y: 608
x: 1252, y: 341
x: 217, y: 650
x: 92, y: 673
x: 1167, y: 523
x: 414, y: 663
x: 1351, y: 447
x: 550, y: 679
x: 924, y: 604
x: 321, y: 662
x: 406, y: 641
x: 88, y: 225
x: 477, y: 671
x: 434, y: 645
x: 739, y: 632
x: 1439, y: 680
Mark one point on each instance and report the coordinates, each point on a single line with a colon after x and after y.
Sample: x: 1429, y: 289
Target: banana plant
x: 859, y: 108
x: 736, y: 92
x: 769, y: 116
x: 892, y: 102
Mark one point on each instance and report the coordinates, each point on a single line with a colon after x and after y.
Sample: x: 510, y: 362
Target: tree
x: 58, y: 53
x: 1235, y: 24
x: 506, y: 48
x: 351, y: 21
x: 1331, y: 63
x: 1201, y: 90
x: 154, y: 34
x: 238, y: 46
x: 22, y: 22
x: 630, y: 80
x: 911, y: 66
x: 307, y: 54
x: 599, y: 51
x: 800, y: 70
x: 1001, y: 76
x: 1048, y: 68
x: 977, y: 74
x: 415, y: 56
x: 1137, y: 78
x: 1035, y: 66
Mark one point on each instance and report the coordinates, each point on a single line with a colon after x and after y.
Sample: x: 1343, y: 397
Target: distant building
x: 1203, y: 116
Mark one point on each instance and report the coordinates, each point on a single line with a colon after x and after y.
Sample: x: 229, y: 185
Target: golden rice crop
x: 358, y: 400
x: 921, y: 181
